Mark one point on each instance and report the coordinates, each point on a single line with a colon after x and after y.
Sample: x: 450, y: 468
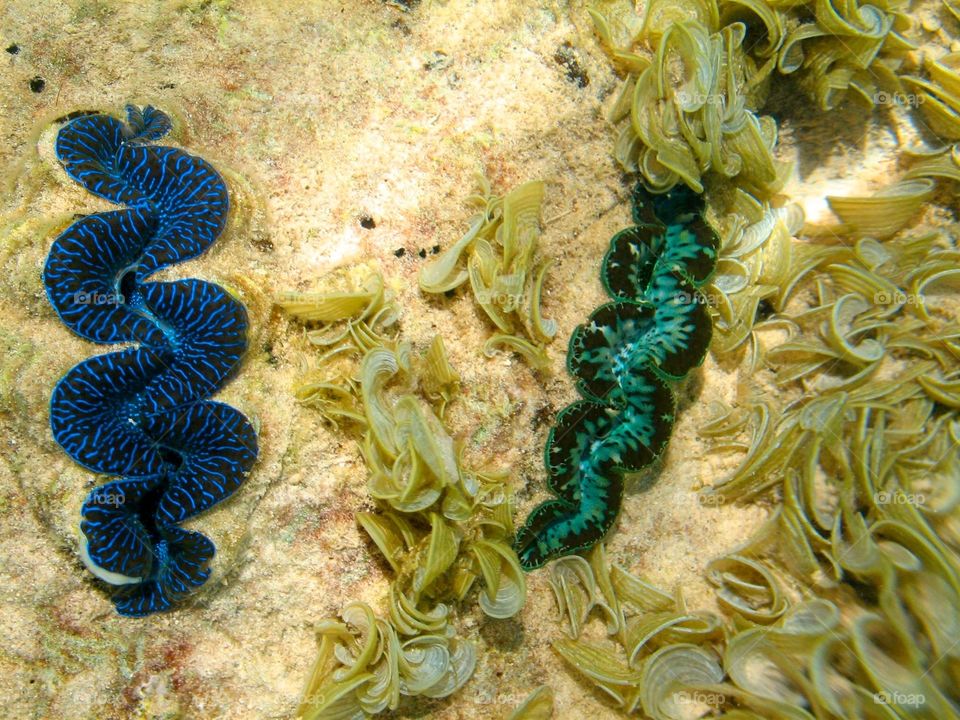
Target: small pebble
x: 405, y: 5
x: 439, y: 61
x: 401, y: 26
x: 367, y: 222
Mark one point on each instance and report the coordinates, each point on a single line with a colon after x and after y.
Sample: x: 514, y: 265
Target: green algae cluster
x: 697, y: 74
x: 773, y: 659
x: 689, y: 102
x: 873, y: 348
x: 442, y: 527
x: 498, y: 255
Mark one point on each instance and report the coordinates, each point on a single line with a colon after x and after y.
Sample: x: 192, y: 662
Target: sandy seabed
x: 319, y: 114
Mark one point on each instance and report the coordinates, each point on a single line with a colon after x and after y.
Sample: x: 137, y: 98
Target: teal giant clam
x: 654, y: 331
x: 141, y: 414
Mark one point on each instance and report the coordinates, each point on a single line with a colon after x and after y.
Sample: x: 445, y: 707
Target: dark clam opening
x: 171, y: 457
x: 127, y: 286
x: 146, y: 511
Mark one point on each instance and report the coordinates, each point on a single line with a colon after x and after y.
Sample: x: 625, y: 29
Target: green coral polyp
x: 656, y: 329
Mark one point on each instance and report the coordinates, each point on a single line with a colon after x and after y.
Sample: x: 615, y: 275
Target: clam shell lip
x: 111, y: 578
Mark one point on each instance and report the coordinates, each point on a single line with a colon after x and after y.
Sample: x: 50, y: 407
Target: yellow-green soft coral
x: 441, y: 526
